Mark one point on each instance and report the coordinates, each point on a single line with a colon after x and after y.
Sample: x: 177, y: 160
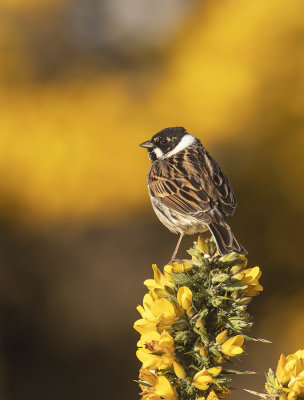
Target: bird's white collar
x: 186, y: 141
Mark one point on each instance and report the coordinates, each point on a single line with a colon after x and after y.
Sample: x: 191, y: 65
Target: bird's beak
x: 148, y: 144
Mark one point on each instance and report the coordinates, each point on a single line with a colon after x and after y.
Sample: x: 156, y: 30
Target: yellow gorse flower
x: 157, y: 351
x: 202, y: 380
x: 290, y: 367
x: 157, y: 314
x: 289, y: 376
x: 204, y: 377
x: 284, y: 372
x: 160, y: 280
x: 233, y: 346
x: 184, y: 298
x: 250, y: 277
x: 176, y: 267
x: 158, y: 387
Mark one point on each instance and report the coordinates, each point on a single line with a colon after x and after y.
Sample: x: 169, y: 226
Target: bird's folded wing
x: 179, y: 194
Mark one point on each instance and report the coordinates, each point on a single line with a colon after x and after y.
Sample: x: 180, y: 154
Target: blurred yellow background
x: 82, y: 84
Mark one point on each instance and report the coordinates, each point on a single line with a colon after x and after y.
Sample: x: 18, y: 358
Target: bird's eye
x: 163, y: 141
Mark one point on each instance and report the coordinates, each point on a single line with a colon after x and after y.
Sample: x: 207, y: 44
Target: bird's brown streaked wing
x: 174, y: 191
x: 205, y: 173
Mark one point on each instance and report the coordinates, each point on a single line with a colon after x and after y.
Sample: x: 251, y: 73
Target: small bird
x: 189, y: 192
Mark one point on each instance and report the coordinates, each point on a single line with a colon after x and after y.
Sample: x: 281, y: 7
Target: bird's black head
x: 168, y: 142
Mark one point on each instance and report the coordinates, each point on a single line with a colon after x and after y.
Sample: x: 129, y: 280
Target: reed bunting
x: 188, y: 190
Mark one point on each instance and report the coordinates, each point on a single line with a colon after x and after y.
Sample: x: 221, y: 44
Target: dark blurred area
x: 82, y: 84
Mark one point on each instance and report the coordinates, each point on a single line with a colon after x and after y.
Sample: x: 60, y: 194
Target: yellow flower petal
x: 214, y: 371
x: 164, y: 388
x: 153, y: 361
x: 147, y: 337
x: 151, y: 396
x: 202, y: 379
x: 292, y: 395
x: 184, y: 298
x: 280, y: 373
x: 254, y: 290
x: 150, y: 283
x: 221, y: 337
x: 160, y: 280
x: 212, y: 395
x: 179, y: 370
x: 142, y: 326
x: 158, y: 276
x: 299, y: 354
x: 202, y: 244
x: 166, y: 342
x: 149, y: 361
x: 165, y: 361
x: 176, y: 267
x: 250, y: 277
x: 162, y: 307
x: 147, y: 376
x: 233, y: 346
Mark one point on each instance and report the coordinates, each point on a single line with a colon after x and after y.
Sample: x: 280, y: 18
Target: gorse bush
x: 195, y: 320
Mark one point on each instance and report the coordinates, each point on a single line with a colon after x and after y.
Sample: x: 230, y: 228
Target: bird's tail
x: 225, y: 240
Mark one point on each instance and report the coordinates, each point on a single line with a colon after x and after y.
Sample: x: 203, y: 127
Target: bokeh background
x: 82, y: 83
